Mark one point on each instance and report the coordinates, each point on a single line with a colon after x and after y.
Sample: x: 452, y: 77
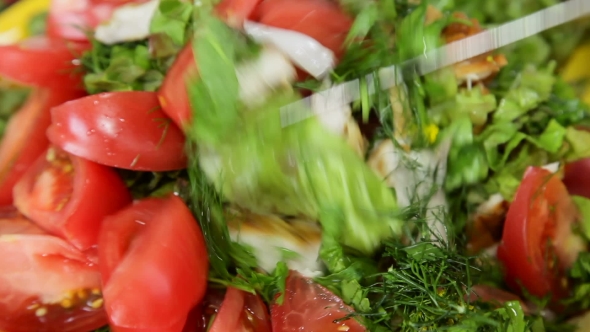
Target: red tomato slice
x: 17, y: 224
x: 41, y: 61
x: 74, y: 19
x: 537, y: 242
x: 310, y: 307
x: 241, y: 312
x: 24, y: 138
x: 120, y: 129
x: 235, y: 12
x: 576, y: 179
x: 154, y: 265
x: 45, y: 283
x: 69, y: 196
x: 322, y: 20
x: 173, y: 95
x: 68, y: 19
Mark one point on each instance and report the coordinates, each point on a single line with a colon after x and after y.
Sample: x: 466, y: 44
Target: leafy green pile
x: 377, y: 255
x: 556, y: 44
x: 140, y: 65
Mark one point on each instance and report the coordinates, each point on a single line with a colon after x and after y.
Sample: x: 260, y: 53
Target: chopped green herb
x: 11, y: 100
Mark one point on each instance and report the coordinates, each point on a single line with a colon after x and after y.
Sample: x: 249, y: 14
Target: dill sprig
x: 425, y: 287
x: 231, y: 264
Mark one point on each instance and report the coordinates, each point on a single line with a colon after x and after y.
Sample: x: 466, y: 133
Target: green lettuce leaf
x: 467, y: 162
x: 531, y: 87
x: 302, y: 170
x: 578, y: 143
x: 580, y: 275
x: 415, y: 38
x: 557, y: 43
x: 583, y: 205
x: 172, y: 19
x: 441, y: 86
x: 297, y: 170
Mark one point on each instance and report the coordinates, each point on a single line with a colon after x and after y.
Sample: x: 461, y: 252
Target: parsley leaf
x: 123, y: 67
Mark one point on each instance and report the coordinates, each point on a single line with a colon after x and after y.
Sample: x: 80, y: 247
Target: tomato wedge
x: 18, y: 224
x: 68, y: 19
x: 576, y: 179
x: 173, y: 95
x: 74, y: 20
x: 154, y: 265
x: 24, y: 137
x: 241, y: 312
x: 322, y: 20
x: 45, y: 283
x: 121, y: 129
x: 235, y: 12
x: 69, y: 196
x: 537, y: 242
x: 310, y: 307
x: 42, y: 61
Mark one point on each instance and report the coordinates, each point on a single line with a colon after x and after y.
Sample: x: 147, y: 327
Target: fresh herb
x: 123, y: 67
x: 11, y: 100
x: 580, y: 275
x: 426, y: 287
x: 556, y: 44
x: 231, y: 263
x: 173, y: 20
x: 217, y: 88
x: 151, y: 184
x: 103, y: 329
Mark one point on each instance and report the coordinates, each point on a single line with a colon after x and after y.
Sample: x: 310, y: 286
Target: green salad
x: 453, y: 201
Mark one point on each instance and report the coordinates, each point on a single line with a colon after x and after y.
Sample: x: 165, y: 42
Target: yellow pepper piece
x: 14, y: 21
x: 431, y: 132
x: 577, y: 69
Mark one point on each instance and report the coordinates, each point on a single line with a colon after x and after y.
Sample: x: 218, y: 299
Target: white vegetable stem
x: 304, y: 51
x: 129, y: 23
x: 258, y: 78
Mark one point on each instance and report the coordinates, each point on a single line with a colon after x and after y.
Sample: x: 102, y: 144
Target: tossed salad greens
x: 154, y: 156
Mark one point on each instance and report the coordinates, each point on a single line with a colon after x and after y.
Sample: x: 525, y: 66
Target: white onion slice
x: 304, y: 51
x: 128, y: 23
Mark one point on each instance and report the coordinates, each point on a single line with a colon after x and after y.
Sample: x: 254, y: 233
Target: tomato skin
x: 18, y: 224
x: 322, y: 20
x: 235, y: 12
x: 120, y: 129
x: 68, y: 19
x: 42, y: 61
x: 24, y: 137
x: 496, y: 296
x: 241, y: 312
x: 37, y: 269
x: 538, y: 228
x: 576, y: 177
x: 74, y: 19
x: 310, y: 307
x: 173, y: 94
x: 70, y: 205
x: 152, y: 254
